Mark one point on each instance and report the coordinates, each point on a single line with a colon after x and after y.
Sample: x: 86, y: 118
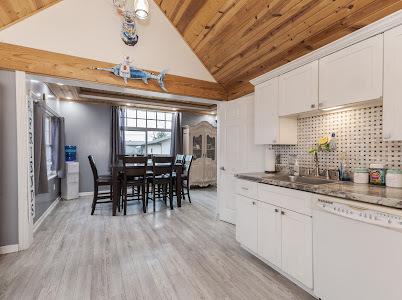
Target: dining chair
x: 161, y: 180
x: 100, y: 197
x: 179, y: 159
x: 134, y: 175
x: 185, y: 177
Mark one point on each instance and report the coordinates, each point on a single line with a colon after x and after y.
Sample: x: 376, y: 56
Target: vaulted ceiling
x: 12, y: 11
x: 238, y: 40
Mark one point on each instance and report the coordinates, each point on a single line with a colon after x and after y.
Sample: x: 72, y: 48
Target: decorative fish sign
x: 126, y: 71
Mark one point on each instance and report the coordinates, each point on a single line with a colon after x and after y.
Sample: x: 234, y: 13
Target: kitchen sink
x: 305, y: 179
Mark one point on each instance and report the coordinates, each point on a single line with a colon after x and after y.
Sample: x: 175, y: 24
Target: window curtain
x: 176, y: 146
x: 118, y: 133
x: 40, y: 164
x: 59, y: 142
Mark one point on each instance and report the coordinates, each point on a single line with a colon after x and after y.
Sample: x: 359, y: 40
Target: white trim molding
x: 9, y: 249
x: 85, y: 194
x: 46, y: 214
x: 364, y: 33
x: 25, y: 220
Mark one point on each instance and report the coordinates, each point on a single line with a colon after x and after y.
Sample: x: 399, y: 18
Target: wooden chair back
x: 179, y: 159
x: 188, y: 159
x: 162, y: 165
x: 135, y: 166
x: 93, y: 167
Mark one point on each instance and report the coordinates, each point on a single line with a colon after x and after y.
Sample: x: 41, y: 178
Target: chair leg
x: 95, y: 199
x: 144, y: 208
x: 188, y: 191
x: 125, y: 199
x: 171, y: 194
x: 153, y: 196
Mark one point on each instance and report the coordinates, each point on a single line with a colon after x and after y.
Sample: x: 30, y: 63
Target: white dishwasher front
x: 357, y: 251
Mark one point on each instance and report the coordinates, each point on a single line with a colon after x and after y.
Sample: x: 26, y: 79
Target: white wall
x: 91, y: 29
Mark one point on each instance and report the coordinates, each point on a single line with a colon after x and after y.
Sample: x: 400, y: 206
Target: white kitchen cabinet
x: 270, y: 233
x: 298, y: 90
x: 392, y: 104
x: 246, y: 222
x: 352, y: 74
x: 268, y: 127
x: 297, y: 246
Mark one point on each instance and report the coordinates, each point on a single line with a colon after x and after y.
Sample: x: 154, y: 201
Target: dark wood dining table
x: 117, y: 175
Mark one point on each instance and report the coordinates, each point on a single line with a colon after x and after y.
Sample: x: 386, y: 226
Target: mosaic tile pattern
x: 359, y: 138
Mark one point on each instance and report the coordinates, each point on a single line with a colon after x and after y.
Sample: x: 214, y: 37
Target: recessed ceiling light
x: 332, y: 108
x: 128, y: 104
x: 69, y: 98
x: 59, y: 83
x: 34, y: 80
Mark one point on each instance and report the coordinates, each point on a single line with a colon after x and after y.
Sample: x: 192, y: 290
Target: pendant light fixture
x: 141, y: 9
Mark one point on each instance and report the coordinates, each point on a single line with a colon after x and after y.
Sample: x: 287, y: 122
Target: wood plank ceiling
x: 12, y: 11
x: 238, y: 40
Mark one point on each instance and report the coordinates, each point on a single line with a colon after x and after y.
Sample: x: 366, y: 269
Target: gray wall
x: 43, y: 201
x: 190, y: 119
x: 8, y: 161
x: 88, y: 126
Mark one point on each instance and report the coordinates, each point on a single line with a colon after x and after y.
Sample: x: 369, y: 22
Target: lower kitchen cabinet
x: 281, y: 236
x: 297, y: 246
x: 247, y: 222
x: 270, y: 233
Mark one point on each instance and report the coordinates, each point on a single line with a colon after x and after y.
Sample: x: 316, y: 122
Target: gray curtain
x: 59, y: 138
x: 176, y: 147
x: 40, y: 164
x: 118, y: 134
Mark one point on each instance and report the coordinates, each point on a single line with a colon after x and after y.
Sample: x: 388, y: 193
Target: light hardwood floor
x: 181, y: 254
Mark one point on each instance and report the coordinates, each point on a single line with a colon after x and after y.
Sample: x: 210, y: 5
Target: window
x: 49, y: 147
x: 148, y: 132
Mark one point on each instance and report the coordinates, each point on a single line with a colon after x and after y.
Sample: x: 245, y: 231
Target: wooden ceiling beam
x: 47, y: 63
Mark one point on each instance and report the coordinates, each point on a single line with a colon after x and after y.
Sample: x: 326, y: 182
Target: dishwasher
x: 357, y: 250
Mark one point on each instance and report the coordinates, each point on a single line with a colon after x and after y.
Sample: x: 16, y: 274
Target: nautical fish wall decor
x: 126, y: 71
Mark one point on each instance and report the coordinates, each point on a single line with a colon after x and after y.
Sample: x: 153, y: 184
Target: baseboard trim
x: 85, y: 194
x: 45, y: 214
x: 9, y: 249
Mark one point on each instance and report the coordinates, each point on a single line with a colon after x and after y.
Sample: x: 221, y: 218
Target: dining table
x: 118, y: 174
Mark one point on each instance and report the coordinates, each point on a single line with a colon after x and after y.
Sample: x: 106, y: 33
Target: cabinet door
x: 266, y: 119
x: 269, y: 233
x: 210, y: 156
x: 353, y: 74
x: 298, y: 90
x: 197, y: 166
x: 392, y: 108
x: 297, y: 246
x: 246, y: 222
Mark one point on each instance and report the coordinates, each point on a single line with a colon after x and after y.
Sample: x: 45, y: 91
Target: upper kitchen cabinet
x: 269, y: 128
x: 298, y: 90
x: 392, y: 105
x: 352, y: 74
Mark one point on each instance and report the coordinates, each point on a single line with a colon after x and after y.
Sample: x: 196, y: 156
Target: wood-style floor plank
x: 181, y: 254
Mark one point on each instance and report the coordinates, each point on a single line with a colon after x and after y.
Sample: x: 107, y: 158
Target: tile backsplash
x: 359, y: 136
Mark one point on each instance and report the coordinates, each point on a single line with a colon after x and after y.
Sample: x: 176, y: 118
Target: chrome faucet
x: 317, y: 165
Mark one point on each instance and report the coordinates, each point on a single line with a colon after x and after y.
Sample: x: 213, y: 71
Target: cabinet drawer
x: 294, y: 200
x: 247, y: 188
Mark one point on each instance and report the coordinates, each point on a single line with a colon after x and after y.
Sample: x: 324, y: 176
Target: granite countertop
x: 385, y: 196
